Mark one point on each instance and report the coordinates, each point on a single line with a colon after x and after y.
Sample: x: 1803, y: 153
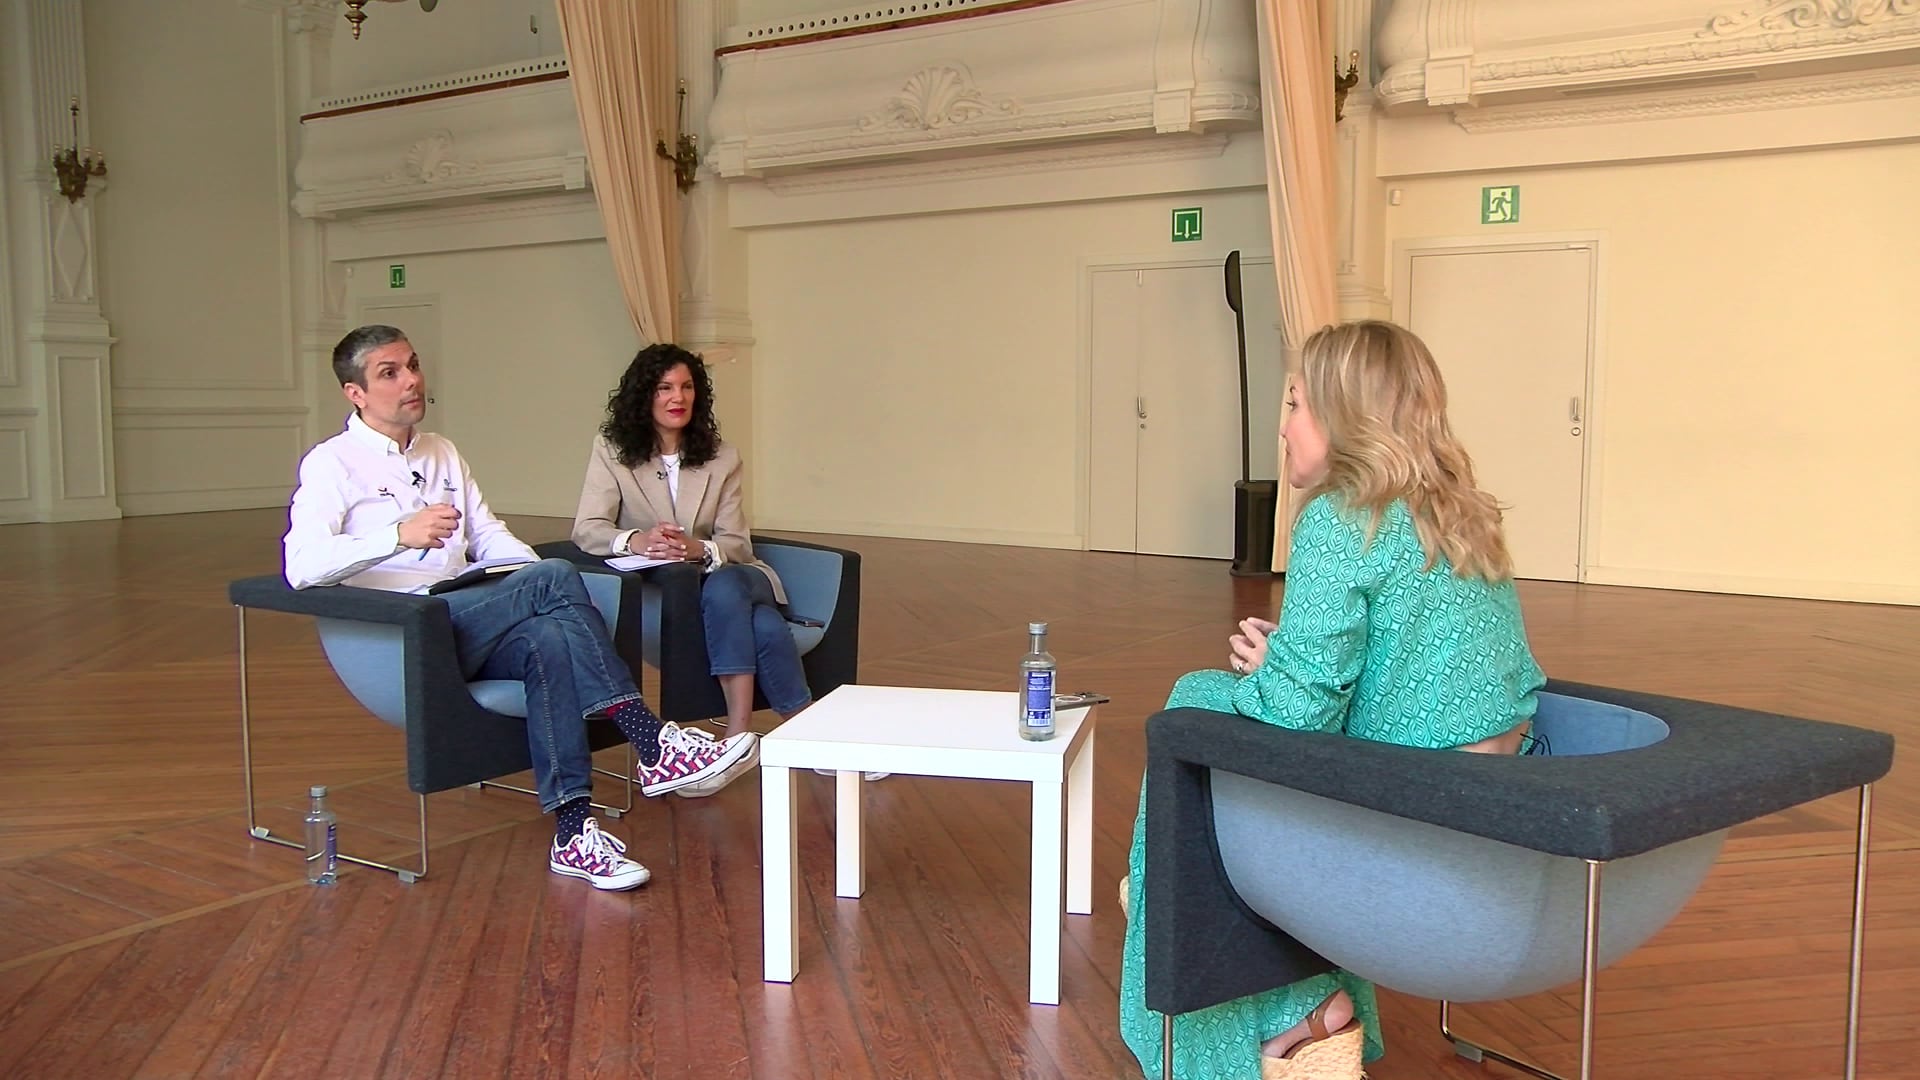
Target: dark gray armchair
x: 394, y: 652
x: 823, y: 584
x: 1480, y: 876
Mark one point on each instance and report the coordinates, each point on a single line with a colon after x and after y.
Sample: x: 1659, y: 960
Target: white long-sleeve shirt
x: 355, y: 490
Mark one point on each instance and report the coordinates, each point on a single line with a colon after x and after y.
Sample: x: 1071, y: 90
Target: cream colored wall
x: 207, y: 402
x: 921, y: 376
x: 531, y: 340
x: 1753, y: 427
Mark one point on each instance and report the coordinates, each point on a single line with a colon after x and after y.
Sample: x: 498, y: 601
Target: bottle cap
x: 1036, y: 628
x: 317, y: 791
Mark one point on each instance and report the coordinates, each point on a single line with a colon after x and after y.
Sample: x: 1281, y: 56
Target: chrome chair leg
x: 1859, y: 931
x: 1166, y: 1047
x: 613, y: 812
x: 1473, y: 1051
x: 258, y: 831
x: 1589, y: 964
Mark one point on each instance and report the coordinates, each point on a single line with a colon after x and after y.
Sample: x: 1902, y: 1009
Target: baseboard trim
x: 912, y: 531
x: 1861, y: 592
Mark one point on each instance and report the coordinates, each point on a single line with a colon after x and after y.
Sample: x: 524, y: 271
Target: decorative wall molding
x: 1432, y: 56
x: 544, y: 218
x: 122, y: 411
x: 1020, y: 162
x: 862, y: 18
x: 1118, y: 167
x: 431, y: 160
x: 1777, y: 15
x: 1781, y: 94
x: 522, y: 140
x: 941, y: 95
x: 16, y: 470
x: 497, y: 77
x: 963, y: 89
x: 179, y: 461
x: 9, y: 364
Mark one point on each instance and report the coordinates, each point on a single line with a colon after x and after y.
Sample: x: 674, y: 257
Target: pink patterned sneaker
x: 690, y: 756
x: 599, y: 858
x: 713, y: 784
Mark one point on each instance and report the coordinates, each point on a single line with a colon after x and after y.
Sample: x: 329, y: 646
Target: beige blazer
x: 711, y: 506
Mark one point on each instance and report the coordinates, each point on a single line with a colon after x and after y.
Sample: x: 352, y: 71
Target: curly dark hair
x: 629, y: 423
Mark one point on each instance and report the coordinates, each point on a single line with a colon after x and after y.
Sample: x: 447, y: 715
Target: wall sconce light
x: 73, y: 165
x: 356, y: 16
x: 686, y: 149
x: 1344, y: 83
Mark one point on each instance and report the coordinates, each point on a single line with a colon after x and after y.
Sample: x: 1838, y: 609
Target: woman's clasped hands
x: 1247, y: 650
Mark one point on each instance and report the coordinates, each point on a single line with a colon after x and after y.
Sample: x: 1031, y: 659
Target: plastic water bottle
x: 1036, y: 687
x: 323, y: 854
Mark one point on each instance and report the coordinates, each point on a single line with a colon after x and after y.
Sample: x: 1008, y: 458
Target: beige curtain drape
x: 622, y: 57
x: 1296, y: 94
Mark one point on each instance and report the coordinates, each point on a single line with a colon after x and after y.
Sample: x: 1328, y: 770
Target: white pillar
x: 319, y: 283
x: 713, y: 302
x: 56, y: 398
x: 1360, y: 226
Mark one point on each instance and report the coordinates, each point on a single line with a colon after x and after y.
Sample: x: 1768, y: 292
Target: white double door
x: 1165, y: 426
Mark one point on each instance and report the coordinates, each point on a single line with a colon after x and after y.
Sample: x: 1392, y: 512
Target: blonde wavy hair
x: 1378, y: 395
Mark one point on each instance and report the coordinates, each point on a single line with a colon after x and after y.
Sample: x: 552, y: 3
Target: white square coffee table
x: 963, y: 733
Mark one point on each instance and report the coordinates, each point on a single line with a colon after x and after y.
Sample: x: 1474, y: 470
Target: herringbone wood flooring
x: 142, y: 933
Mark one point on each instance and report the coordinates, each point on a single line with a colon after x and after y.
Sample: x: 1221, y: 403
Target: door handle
x: 1140, y: 407
x: 1573, y: 409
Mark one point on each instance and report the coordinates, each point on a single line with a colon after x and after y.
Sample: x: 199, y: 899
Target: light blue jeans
x: 539, y: 626
x: 746, y: 633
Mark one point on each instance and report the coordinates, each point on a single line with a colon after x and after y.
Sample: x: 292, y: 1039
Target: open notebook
x: 484, y: 570
x: 637, y: 562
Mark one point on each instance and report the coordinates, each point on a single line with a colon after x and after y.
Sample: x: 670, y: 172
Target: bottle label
x: 333, y: 849
x: 1037, y: 708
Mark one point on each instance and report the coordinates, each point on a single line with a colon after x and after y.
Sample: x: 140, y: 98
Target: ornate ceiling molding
x: 520, y: 140
x: 1806, y: 15
x: 1598, y: 45
x: 986, y: 84
x: 1752, y: 97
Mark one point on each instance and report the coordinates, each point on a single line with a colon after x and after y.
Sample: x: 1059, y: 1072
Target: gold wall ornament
x: 356, y: 15
x: 1344, y: 83
x: 685, y: 154
x: 74, y: 164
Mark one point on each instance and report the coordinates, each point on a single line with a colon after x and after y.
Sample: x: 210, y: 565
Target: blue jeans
x: 747, y: 634
x: 540, y: 627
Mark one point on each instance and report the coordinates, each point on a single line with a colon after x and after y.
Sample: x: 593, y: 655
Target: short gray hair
x: 350, y: 356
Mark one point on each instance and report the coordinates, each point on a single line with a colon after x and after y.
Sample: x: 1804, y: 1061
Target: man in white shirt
x: 384, y: 506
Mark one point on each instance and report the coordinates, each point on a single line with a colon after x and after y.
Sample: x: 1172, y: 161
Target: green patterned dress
x: 1372, y: 644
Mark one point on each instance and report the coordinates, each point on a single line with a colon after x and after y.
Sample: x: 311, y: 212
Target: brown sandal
x: 1322, y: 1055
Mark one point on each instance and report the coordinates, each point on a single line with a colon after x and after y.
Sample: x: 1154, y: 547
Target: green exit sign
x: 397, y: 276
x: 1500, y: 205
x: 1186, y: 224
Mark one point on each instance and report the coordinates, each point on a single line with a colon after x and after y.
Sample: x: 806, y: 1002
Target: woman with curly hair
x: 1399, y: 624
x: 662, y: 484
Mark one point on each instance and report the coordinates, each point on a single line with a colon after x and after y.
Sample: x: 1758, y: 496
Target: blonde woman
x: 1399, y: 624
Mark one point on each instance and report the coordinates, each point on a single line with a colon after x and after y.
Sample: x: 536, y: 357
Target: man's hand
x: 664, y: 541
x: 430, y: 527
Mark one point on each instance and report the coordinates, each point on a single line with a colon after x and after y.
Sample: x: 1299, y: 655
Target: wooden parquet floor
x: 143, y: 934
